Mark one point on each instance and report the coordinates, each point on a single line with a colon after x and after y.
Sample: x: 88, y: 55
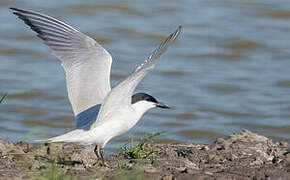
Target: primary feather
x: 86, y: 63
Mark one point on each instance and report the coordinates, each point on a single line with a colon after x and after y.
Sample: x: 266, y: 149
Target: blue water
x: 228, y: 71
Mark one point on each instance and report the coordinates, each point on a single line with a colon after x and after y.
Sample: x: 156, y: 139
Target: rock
x: 256, y: 162
x: 283, y: 144
x: 205, y: 148
x: 287, y: 155
x: 190, y: 165
x: 248, y: 136
x: 150, y: 169
x: 208, y: 173
x: 167, y: 177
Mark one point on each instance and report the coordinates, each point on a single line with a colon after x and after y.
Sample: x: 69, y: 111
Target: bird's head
x: 144, y: 102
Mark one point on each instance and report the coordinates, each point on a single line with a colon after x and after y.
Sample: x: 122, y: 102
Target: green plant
x: 2, y: 98
x: 140, y: 150
x: 52, y: 171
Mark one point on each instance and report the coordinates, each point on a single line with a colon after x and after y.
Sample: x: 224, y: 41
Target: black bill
x: 161, y: 105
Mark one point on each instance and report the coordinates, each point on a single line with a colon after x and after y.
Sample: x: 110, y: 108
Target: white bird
x: 101, y: 113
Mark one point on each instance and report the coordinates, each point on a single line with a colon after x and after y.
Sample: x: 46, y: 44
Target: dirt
x: 243, y: 155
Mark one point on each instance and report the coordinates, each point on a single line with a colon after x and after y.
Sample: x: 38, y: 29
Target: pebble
x: 208, y: 173
x: 167, y: 177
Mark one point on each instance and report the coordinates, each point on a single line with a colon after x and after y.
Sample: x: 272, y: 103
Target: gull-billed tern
x: 101, y: 113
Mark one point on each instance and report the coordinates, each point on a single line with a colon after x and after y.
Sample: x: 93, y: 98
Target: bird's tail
x: 72, y: 136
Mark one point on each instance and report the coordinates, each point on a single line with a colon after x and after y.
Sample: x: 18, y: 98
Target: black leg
x: 100, y: 153
x: 96, y: 151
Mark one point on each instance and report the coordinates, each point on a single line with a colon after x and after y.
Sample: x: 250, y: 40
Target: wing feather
x: 121, y: 94
x: 87, y: 64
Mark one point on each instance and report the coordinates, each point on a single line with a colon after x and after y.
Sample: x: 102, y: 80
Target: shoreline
x: 244, y: 155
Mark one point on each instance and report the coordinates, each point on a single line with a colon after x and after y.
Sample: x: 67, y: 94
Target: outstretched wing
x: 87, y: 64
x: 121, y: 94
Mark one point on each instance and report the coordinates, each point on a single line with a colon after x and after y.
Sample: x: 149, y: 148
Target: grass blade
x: 2, y: 98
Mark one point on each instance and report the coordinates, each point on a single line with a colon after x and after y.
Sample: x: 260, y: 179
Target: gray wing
x: 87, y: 64
x: 121, y: 94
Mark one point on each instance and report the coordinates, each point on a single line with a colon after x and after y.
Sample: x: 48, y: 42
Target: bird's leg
x: 100, y: 154
x: 96, y: 151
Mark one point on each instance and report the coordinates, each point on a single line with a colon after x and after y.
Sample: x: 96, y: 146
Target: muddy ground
x: 240, y: 156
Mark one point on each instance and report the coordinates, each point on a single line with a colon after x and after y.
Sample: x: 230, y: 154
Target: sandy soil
x: 241, y: 156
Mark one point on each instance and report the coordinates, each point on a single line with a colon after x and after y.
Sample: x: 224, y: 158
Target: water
x: 228, y: 71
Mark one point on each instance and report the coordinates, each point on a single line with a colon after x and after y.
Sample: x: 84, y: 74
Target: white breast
x: 115, y: 124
